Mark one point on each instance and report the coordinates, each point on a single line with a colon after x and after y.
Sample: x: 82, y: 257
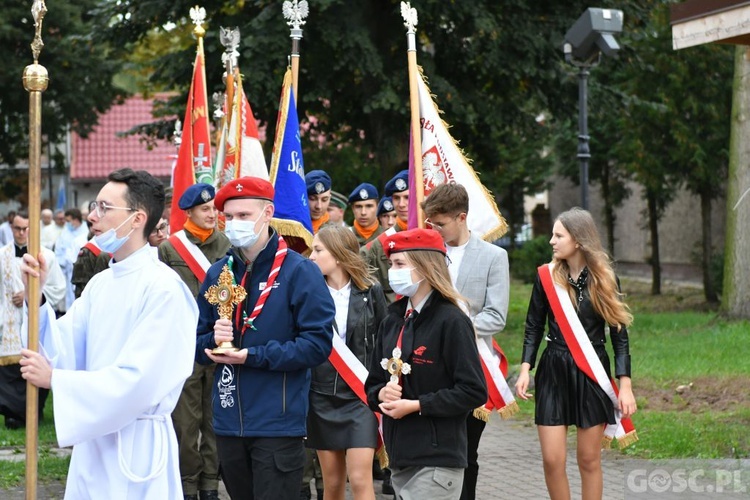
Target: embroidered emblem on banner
x: 435, y: 170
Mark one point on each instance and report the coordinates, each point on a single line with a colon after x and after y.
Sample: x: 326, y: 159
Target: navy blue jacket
x: 268, y: 395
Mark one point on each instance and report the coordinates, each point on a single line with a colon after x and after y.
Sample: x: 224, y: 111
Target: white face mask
x: 400, y: 281
x: 108, y: 240
x: 241, y: 233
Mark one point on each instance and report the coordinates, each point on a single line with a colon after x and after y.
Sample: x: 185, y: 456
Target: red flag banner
x: 194, y: 157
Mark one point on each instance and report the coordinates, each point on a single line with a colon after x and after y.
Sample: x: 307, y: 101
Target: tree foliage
x: 80, y: 71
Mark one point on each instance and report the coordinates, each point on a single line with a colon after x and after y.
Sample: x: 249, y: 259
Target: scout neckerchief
x: 191, y: 254
x: 270, y: 281
x: 584, y: 355
x: 354, y: 374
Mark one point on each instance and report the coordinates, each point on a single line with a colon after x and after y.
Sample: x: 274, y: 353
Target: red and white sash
x: 499, y: 395
x: 354, y: 374
x: 191, y: 254
x: 584, y: 355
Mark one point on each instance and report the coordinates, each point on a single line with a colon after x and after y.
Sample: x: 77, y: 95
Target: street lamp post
x: 585, y: 41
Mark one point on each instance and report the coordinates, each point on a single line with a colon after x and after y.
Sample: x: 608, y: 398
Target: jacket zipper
x: 239, y: 405
x: 283, y: 395
x: 433, y: 431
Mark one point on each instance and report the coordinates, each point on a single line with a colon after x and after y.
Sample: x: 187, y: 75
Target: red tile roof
x: 103, y: 151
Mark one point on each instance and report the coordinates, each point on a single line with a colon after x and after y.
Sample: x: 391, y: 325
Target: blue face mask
x: 108, y: 240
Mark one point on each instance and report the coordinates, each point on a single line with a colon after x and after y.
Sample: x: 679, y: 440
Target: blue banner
x: 288, y: 168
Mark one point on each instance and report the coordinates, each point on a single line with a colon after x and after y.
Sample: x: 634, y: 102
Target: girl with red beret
x: 425, y: 403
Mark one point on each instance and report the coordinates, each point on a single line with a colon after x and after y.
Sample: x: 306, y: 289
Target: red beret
x: 414, y: 239
x: 244, y: 187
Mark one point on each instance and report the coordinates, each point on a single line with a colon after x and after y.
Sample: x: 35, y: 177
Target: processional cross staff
x: 35, y: 81
x: 225, y: 294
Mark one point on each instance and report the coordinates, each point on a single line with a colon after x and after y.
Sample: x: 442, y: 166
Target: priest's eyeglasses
x: 101, y: 207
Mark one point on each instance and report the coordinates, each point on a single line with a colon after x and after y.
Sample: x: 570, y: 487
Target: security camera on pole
x: 590, y: 36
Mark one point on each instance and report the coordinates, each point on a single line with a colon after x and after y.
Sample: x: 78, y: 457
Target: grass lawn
x: 51, y: 467
x: 691, y: 371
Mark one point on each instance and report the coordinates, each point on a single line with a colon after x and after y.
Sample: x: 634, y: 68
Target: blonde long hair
x: 603, y: 291
x: 342, y: 244
x: 432, y: 266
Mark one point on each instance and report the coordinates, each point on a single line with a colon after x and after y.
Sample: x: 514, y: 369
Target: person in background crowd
x: 72, y: 238
x: 6, y: 233
x: 364, y: 202
x: 337, y: 209
x: 479, y: 271
x: 160, y: 233
x: 582, y: 271
x: 340, y: 426
x: 45, y: 217
x: 398, y: 189
x: 12, y: 385
x: 425, y: 407
x: 386, y: 213
x: 51, y: 232
x: 318, y: 197
x: 281, y: 330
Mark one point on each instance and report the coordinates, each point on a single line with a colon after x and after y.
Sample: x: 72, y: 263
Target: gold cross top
x: 225, y: 294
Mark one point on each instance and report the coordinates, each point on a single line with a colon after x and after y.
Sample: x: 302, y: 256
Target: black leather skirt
x: 565, y: 395
x: 335, y: 423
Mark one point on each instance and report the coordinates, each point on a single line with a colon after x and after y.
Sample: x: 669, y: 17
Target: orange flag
x: 194, y: 157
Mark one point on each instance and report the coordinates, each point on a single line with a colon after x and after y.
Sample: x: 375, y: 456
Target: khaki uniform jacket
x: 214, y: 248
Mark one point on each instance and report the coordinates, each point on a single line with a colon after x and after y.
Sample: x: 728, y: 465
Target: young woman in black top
x: 564, y: 394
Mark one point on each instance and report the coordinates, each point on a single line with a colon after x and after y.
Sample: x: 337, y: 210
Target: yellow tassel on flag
x: 509, y: 410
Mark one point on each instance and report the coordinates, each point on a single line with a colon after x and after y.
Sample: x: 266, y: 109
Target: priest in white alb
x: 118, y: 359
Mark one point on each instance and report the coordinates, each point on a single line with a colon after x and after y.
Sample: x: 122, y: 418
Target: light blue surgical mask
x: 108, y: 240
x: 241, y: 233
x: 400, y: 281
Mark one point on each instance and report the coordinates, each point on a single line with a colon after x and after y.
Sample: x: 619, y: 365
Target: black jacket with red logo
x: 446, y: 377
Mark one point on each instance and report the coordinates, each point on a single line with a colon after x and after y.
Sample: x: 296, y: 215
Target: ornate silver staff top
x: 295, y: 13
x: 38, y: 9
x: 230, y: 39
x: 198, y: 16
x: 409, y: 14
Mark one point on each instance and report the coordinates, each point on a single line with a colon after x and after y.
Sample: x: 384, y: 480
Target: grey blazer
x: 483, y: 279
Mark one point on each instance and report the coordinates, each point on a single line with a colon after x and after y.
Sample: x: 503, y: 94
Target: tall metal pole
x: 295, y: 13
x: 409, y: 15
x: 584, y: 153
x: 35, y: 80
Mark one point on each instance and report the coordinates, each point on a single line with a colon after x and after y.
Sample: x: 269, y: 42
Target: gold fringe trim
x: 509, y: 410
x: 607, y: 442
x: 628, y: 439
x: 383, y: 459
x: 482, y: 413
x: 292, y: 228
x: 502, y: 226
x: 13, y: 359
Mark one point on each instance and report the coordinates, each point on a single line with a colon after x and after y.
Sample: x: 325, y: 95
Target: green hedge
x: 525, y: 260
